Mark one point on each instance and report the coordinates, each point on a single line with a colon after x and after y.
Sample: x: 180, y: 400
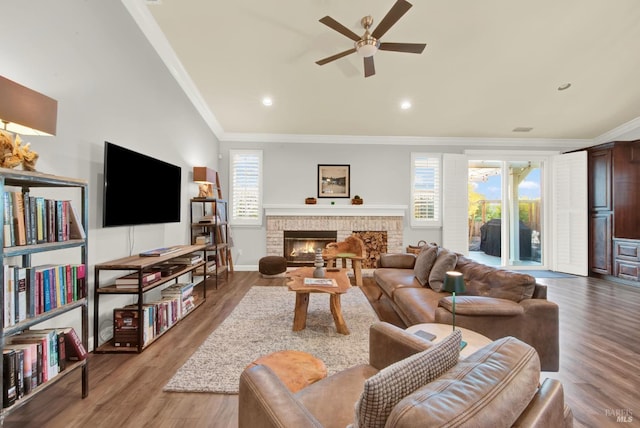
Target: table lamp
x: 25, y: 111
x: 205, y: 177
x: 454, y: 283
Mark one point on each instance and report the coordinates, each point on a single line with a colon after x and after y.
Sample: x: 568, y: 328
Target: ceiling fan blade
x: 395, y: 13
x: 335, y: 25
x: 369, y: 68
x: 335, y: 57
x: 416, y: 48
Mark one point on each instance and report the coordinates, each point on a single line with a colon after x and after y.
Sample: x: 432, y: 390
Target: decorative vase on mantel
x: 318, y: 272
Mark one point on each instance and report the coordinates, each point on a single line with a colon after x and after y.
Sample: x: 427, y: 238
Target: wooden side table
x: 474, y: 340
x: 302, y: 296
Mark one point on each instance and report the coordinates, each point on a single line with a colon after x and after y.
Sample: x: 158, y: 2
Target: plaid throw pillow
x: 386, y: 388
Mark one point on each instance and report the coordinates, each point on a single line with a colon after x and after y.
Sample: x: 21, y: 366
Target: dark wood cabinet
x: 614, y: 209
x: 600, y: 243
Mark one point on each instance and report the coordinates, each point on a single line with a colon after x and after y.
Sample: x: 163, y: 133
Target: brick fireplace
x: 364, y: 220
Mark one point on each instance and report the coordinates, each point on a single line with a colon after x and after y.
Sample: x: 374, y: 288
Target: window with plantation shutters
x: 425, y: 189
x: 245, y: 169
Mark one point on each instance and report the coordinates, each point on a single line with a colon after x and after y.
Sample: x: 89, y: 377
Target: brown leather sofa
x: 496, y: 303
x: 497, y: 386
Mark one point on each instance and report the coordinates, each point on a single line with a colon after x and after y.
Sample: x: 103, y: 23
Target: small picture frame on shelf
x: 334, y: 181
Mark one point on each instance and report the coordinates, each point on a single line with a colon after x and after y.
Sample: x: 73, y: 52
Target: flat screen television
x: 139, y: 189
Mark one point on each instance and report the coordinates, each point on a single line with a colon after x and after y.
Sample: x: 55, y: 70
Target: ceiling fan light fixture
x: 367, y: 47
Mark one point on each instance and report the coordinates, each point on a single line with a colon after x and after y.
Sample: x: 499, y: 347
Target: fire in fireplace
x: 300, y: 245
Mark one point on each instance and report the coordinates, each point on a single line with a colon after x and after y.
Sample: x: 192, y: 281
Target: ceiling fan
x: 369, y: 43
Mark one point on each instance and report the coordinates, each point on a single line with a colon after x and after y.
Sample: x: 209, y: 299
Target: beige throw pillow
x: 386, y: 388
x: 445, y: 262
x: 424, y: 263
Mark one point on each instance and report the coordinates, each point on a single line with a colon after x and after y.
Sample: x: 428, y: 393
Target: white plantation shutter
x: 246, y: 187
x: 425, y: 189
x: 570, y: 214
x: 455, y: 203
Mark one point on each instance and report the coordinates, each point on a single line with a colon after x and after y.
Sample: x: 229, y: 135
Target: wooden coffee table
x: 303, y: 291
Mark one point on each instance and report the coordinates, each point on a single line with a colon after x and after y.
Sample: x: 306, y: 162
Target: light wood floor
x: 599, y: 367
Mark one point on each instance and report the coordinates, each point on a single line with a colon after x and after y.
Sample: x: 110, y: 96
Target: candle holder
x: 319, y: 271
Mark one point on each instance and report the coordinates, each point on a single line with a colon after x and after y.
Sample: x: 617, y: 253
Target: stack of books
x: 189, y: 259
x: 132, y: 280
x: 183, y: 292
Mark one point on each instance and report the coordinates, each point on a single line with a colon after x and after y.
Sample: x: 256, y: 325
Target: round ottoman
x: 272, y: 266
x: 296, y: 369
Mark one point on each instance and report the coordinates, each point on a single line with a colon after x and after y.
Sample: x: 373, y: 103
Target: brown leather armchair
x: 496, y: 386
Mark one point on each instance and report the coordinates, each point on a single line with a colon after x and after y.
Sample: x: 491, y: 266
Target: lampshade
x: 453, y: 282
x: 25, y: 111
x: 202, y: 174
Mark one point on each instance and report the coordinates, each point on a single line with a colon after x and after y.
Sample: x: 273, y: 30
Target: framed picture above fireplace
x: 334, y: 181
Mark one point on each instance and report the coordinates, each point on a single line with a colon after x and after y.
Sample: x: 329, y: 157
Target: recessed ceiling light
x: 267, y: 101
x: 564, y: 86
x: 405, y: 105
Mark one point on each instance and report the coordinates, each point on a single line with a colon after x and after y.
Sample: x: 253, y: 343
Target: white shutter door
x: 570, y: 214
x: 455, y: 204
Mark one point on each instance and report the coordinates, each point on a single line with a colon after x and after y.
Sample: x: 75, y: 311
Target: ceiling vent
x: 522, y: 129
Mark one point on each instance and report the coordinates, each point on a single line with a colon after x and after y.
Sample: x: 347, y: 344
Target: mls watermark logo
x: 620, y: 415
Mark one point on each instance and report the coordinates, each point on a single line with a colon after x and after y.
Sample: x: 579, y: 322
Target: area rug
x: 261, y: 324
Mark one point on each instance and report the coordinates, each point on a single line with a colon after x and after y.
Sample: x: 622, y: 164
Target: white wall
x: 110, y: 85
x: 380, y: 174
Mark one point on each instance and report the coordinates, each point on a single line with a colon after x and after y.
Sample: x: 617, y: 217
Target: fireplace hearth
x: 300, y: 245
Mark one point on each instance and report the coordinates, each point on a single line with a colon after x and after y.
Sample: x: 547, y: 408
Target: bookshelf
x: 160, y: 314
x: 209, y: 226
x: 32, y: 238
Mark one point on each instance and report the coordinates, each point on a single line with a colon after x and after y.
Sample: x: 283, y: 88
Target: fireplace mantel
x: 334, y: 210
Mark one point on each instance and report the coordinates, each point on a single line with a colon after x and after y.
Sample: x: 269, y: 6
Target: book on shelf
x: 41, y: 222
x: 132, y: 280
x: 33, y: 219
x: 29, y: 364
x: 126, y: 323
x: 170, y: 269
x: 19, y: 372
x: 74, y: 349
x: 20, y: 283
x: 157, y: 252
x: 27, y: 218
x: 76, y: 230
x: 18, y: 218
x: 50, y: 219
x: 9, y: 381
x: 9, y: 240
x: 190, y: 259
x: 78, y: 275
x: 320, y: 282
x: 9, y: 295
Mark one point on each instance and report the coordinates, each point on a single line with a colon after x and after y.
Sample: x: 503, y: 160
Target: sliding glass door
x: 505, y: 206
